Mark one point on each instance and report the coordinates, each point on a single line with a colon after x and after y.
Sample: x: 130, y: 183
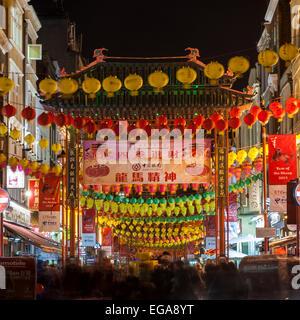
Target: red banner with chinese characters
x: 106, y: 234
x: 33, y: 199
x: 49, y: 196
x: 210, y: 224
x: 282, y: 159
x: 88, y: 221
x: 232, y: 208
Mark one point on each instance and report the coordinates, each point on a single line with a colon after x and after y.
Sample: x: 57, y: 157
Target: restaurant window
x: 16, y: 26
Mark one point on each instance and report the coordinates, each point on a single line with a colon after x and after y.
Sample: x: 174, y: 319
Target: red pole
x: 264, y: 136
x: 1, y: 235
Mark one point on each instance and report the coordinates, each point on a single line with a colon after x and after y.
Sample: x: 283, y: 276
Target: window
x: 16, y: 27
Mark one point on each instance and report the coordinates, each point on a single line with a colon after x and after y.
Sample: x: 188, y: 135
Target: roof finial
x: 194, y: 53
x: 98, y: 54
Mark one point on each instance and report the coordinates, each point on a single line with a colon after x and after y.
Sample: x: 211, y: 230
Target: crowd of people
x: 168, y: 281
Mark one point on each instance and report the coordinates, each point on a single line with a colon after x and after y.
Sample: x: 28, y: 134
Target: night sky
x: 219, y: 29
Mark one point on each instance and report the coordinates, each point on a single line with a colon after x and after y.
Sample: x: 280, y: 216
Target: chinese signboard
x: 72, y: 174
x: 155, y: 170
x: 20, y: 278
x: 49, y: 221
x: 222, y: 181
x: 15, y: 179
x: 88, y: 227
x: 49, y: 193
x: 282, y: 159
x: 278, y: 198
x: 33, y: 199
x: 254, y: 196
x: 232, y: 208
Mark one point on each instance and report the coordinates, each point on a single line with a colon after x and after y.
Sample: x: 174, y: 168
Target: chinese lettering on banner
x: 72, y: 174
x: 152, y: 171
x: 282, y: 159
x: 88, y: 227
x: 106, y: 243
x: 232, y: 208
x: 210, y: 239
x: 33, y: 200
x: 278, y: 198
x: 222, y: 172
x: 49, y: 197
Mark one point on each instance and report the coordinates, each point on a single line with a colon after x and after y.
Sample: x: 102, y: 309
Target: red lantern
x: 179, y: 122
x: 236, y: 112
x: 69, y: 120
x: 164, y: 129
x: 90, y: 127
x: 278, y: 113
x: 148, y: 129
x: 78, y: 123
x: 60, y: 120
x: 28, y: 113
x: 44, y: 119
x: 215, y: 117
x: 8, y: 111
x: 192, y: 126
x: 161, y: 121
x: 52, y: 117
x: 250, y: 120
x: 291, y: 107
x: 108, y: 122
x: 181, y: 129
x: 234, y: 123
x: 208, y: 125
x: 221, y: 126
x: 264, y: 117
x: 198, y: 120
x: 142, y: 123
x: 274, y: 105
x: 255, y: 110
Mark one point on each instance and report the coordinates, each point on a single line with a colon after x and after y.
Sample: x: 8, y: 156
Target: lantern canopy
x: 268, y: 58
x: 91, y: 86
x: 111, y: 85
x: 288, y: 52
x: 48, y: 86
x: 158, y: 80
x: 239, y: 65
x: 186, y: 76
x: 133, y: 82
x: 6, y: 85
x: 214, y: 71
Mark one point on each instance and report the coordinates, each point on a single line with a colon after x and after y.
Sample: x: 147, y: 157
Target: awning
x: 34, y: 238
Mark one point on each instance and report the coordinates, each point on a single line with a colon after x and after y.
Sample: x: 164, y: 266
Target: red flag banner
x: 106, y: 237
x: 49, y: 196
x: 33, y: 199
x: 210, y: 224
x: 88, y: 221
x: 282, y: 159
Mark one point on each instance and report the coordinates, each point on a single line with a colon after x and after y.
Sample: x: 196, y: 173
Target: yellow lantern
x: 288, y: 52
x: 239, y: 65
x: 91, y: 86
x: 48, y: 86
x: 67, y: 87
x: 44, y: 168
x: 158, y: 80
x: 268, y: 58
x: 252, y: 154
x: 241, y: 156
x: 15, y: 134
x: 33, y: 165
x: 6, y: 85
x: 186, y: 76
x: 2, y: 158
x: 43, y: 143
x: 133, y: 82
x: 57, y: 170
x: 12, y: 161
x: 56, y: 147
x: 24, y: 163
x: 214, y: 71
x: 111, y: 85
x: 29, y: 139
x: 3, y: 129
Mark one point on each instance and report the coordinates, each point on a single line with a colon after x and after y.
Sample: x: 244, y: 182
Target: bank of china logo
x: 136, y: 167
